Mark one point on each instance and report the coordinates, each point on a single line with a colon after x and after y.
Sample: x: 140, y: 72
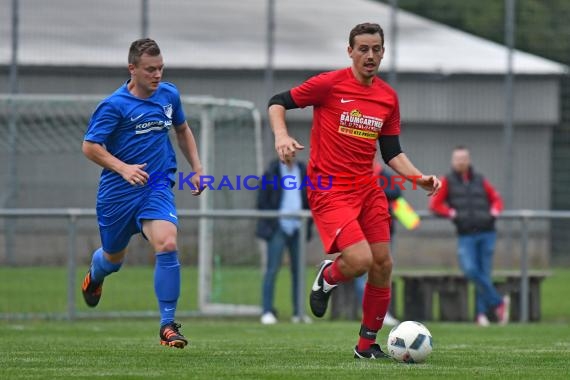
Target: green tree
x: 542, y: 26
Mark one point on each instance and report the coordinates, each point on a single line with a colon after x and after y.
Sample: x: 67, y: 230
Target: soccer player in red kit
x: 352, y: 110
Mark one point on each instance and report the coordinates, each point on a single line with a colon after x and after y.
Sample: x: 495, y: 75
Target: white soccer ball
x: 409, y: 342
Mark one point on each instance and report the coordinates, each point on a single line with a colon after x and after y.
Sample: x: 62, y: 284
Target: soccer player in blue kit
x: 128, y: 136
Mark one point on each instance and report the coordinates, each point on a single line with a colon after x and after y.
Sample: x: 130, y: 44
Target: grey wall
x: 437, y: 112
x: 424, y: 98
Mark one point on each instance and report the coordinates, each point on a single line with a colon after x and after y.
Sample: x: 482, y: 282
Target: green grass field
x: 229, y: 349
x: 43, y: 290
x: 243, y: 348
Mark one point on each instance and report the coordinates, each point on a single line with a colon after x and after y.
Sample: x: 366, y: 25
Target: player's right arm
x: 103, y: 122
x: 133, y: 174
x: 310, y: 93
x: 285, y: 145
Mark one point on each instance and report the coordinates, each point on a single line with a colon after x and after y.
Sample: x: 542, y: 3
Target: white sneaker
x: 503, y: 310
x: 303, y: 319
x: 390, y: 320
x: 268, y: 318
x: 482, y: 320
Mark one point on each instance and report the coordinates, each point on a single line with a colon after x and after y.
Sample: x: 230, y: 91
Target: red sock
x: 333, y: 275
x: 375, y: 303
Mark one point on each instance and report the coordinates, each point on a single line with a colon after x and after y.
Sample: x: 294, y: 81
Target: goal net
x: 42, y: 168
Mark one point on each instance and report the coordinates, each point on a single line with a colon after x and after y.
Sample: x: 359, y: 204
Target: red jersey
x: 348, y: 118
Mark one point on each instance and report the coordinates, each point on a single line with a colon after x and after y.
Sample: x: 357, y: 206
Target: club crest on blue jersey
x: 168, y: 110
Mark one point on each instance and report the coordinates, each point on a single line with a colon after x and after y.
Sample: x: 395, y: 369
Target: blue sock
x: 167, y: 284
x: 101, y: 267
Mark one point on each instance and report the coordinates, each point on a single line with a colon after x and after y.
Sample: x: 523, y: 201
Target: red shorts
x: 344, y: 218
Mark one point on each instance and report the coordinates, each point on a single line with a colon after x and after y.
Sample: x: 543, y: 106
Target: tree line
x: 542, y: 26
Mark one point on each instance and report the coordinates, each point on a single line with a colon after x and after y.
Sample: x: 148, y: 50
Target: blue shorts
x: 118, y: 221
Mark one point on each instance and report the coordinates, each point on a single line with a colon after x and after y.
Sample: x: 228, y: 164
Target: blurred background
x: 488, y: 74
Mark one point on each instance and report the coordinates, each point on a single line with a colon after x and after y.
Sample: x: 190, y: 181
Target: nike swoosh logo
x: 137, y: 117
x: 172, y: 215
x: 343, y: 100
x: 167, y: 309
x: 316, y: 286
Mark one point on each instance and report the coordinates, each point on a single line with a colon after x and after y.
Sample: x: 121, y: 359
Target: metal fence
x: 33, y: 56
x: 35, y: 60
x: 73, y: 215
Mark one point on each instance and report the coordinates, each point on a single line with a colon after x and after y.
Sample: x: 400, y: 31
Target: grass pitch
x: 229, y: 349
x: 125, y: 348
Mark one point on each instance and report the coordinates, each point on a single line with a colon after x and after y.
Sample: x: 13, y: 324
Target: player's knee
x: 383, y: 266
x: 116, y: 258
x: 168, y: 244
x: 387, y: 264
x: 362, y: 264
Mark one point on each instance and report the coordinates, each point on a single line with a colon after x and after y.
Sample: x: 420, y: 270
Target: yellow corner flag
x: 405, y: 214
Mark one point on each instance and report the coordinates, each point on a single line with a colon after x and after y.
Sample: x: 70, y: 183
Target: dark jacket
x: 470, y: 201
x: 269, y: 198
x: 391, y: 189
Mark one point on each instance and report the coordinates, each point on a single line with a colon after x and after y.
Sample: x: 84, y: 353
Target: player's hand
x: 135, y: 174
x: 286, y: 147
x: 196, y: 182
x: 430, y: 183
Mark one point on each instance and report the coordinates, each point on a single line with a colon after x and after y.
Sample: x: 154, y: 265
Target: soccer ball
x: 409, y: 342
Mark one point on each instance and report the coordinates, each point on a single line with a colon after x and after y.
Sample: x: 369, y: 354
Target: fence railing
x: 74, y: 214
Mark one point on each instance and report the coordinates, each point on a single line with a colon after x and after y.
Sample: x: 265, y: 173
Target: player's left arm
x: 187, y: 145
x: 394, y: 157
x: 403, y: 166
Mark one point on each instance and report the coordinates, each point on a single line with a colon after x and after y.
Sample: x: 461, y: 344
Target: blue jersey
x: 136, y: 132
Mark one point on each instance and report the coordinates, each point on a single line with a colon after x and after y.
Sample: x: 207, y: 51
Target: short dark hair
x: 365, y: 28
x: 460, y: 147
x: 140, y: 47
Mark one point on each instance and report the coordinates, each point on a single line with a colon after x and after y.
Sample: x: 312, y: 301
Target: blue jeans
x: 275, y: 247
x: 475, y: 254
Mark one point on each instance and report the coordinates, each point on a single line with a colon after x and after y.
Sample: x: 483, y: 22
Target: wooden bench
x: 508, y: 282
x: 420, y: 287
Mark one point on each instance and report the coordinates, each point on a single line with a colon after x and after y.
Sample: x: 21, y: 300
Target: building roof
x: 229, y: 34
